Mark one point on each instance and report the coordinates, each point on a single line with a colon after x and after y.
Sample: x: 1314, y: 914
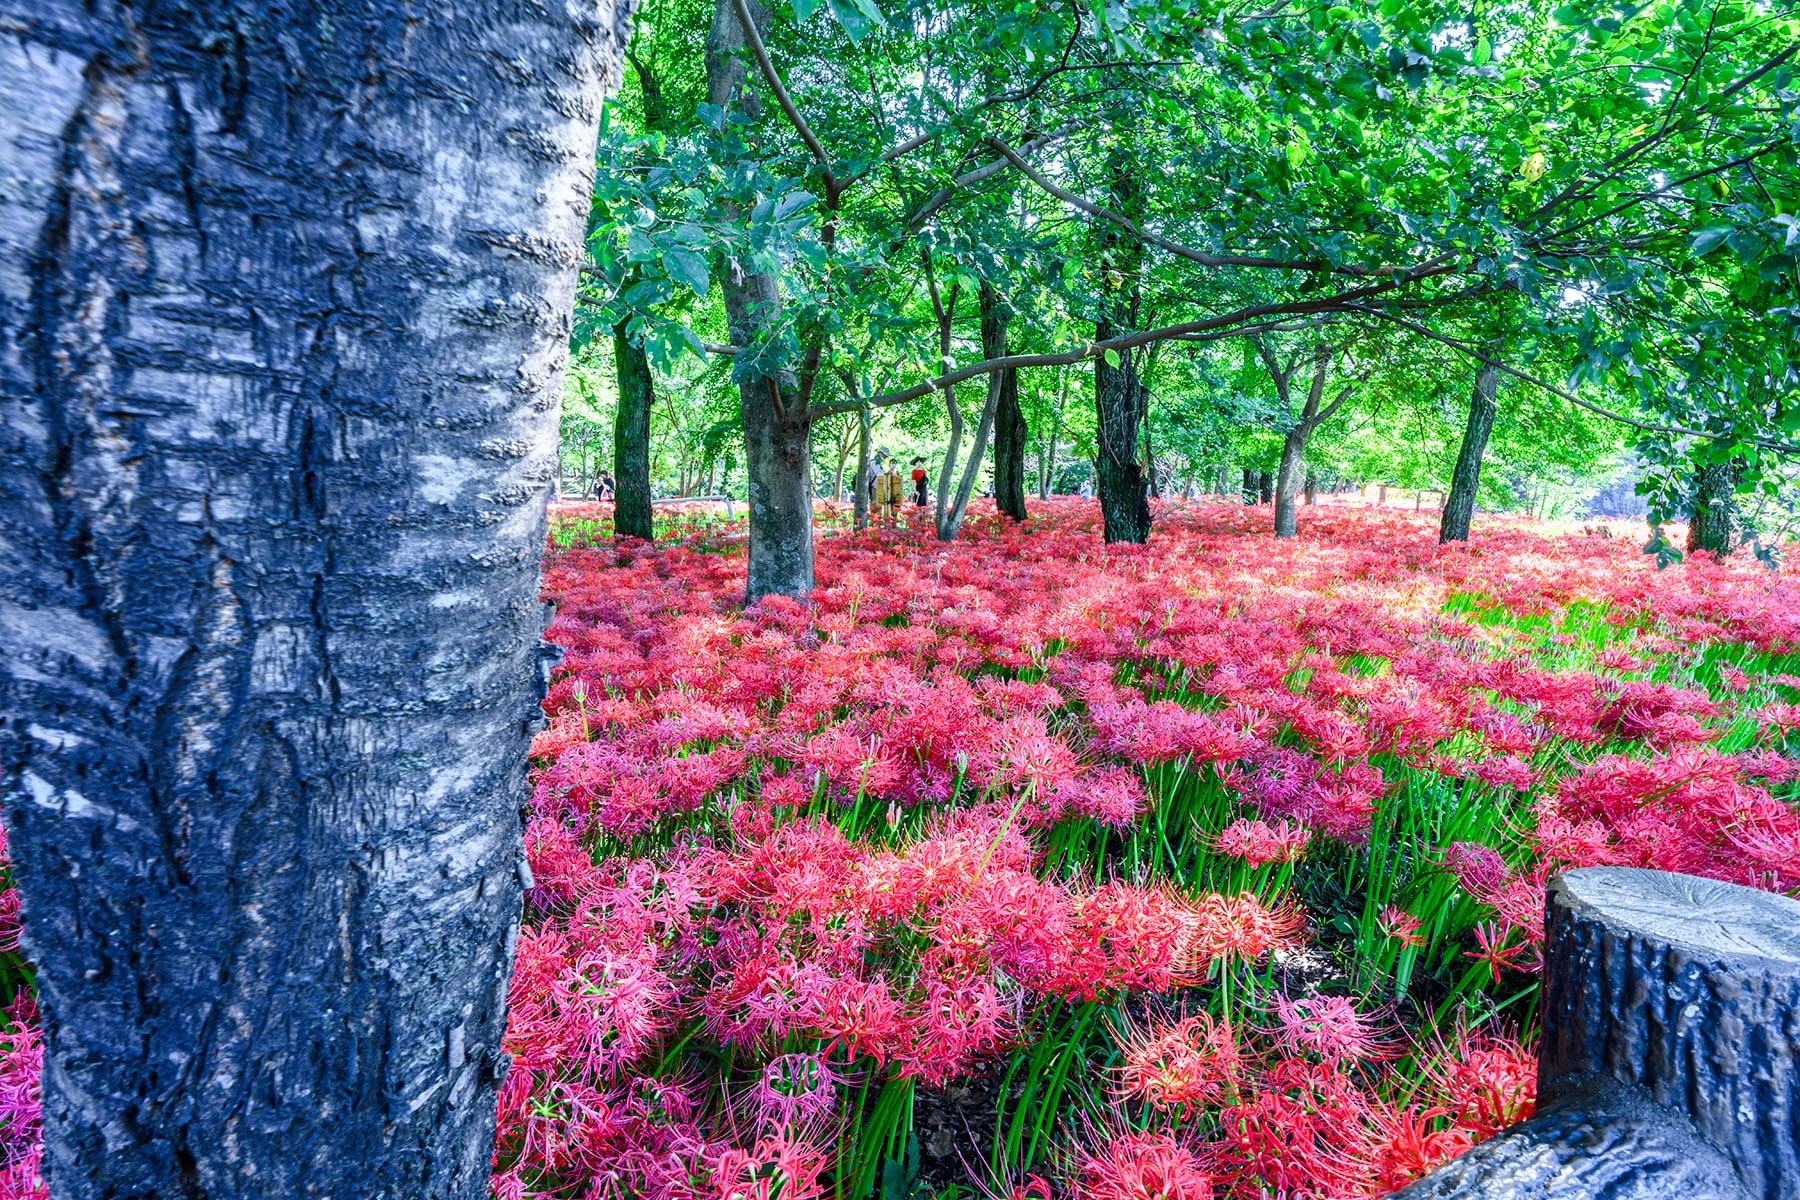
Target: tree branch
x: 761, y: 53
x: 1223, y: 326
x: 1144, y: 235
x: 1647, y: 426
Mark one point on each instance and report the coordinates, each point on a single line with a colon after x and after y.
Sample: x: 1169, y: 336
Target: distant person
x: 890, y: 491
x: 918, y: 478
x: 1087, y: 490
x: 604, y: 487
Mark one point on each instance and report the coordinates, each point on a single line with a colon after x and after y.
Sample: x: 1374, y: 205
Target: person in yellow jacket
x: 890, y: 491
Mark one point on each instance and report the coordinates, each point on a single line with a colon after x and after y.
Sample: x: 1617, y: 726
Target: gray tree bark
x: 1714, y: 516
x: 953, y: 505
x: 1465, y: 480
x: 777, y: 427
x: 632, y: 510
x: 284, y: 301
x: 860, y: 502
x: 1291, y: 474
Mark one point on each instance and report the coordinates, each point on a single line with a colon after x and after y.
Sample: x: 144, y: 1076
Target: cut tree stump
x: 1667, y: 1068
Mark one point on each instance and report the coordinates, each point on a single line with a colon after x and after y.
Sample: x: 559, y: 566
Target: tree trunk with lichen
x: 1714, y: 517
x: 284, y: 301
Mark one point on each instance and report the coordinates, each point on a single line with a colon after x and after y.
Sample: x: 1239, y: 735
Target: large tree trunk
x: 1714, y: 516
x: 1117, y: 399
x: 1009, y: 420
x: 1118, y: 392
x: 1465, y: 481
x: 284, y: 303
x: 777, y: 426
x: 631, y: 440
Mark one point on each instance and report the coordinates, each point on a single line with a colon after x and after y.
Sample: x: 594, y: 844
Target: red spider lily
x: 1242, y: 927
x: 1142, y: 1166
x: 1494, y: 950
x: 1331, y: 1029
x: 1401, y: 925
x: 1184, y: 1064
x: 1259, y: 843
x: 1411, y: 1143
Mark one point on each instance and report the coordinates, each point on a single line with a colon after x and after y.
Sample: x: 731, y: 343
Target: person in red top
x: 918, y: 478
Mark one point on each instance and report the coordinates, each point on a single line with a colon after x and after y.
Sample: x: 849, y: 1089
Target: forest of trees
x: 1393, y: 246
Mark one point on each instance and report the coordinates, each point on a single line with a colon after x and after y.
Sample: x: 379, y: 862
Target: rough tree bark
x: 1265, y: 487
x: 631, y: 440
x: 1118, y: 392
x: 777, y: 426
x: 1714, y: 518
x: 1668, y: 1066
x: 1010, y: 433
x: 1312, y: 488
x: 284, y: 301
x: 1465, y: 480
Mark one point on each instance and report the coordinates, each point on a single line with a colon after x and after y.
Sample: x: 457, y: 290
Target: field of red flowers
x: 1028, y: 866
x: 1212, y: 867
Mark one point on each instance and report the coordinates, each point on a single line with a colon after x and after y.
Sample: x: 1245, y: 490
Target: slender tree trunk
x: 951, y: 507
x: 1265, y: 487
x: 777, y: 426
x: 1009, y: 422
x: 1250, y: 492
x: 1465, y: 481
x: 843, y: 459
x: 1714, y: 518
x: 268, y: 620
x: 631, y: 440
x: 860, y: 501
x: 1152, y: 482
x: 1312, y: 488
x: 1047, y: 468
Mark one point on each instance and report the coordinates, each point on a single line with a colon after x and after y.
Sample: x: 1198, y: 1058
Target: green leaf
x: 1484, y: 52
x: 858, y: 17
x: 1708, y: 240
x: 1112, y: 358
x: 684, y: 266
x: 792, y: 203
x: 804, y: 9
